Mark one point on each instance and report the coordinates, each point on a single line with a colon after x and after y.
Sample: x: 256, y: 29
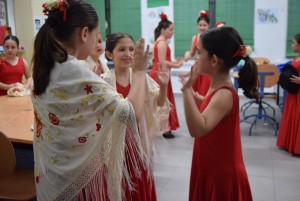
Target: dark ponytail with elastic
x: 163, y: 24
x: 248, y: 78
x: 59, y: 28
x: 227, y: 44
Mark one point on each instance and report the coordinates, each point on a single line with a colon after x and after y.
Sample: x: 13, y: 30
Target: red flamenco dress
x: 289, y: 129
x: 202, y: 82
x: 10, y: 74
x: 218, y: 171
x: 143, y: 184
x: 173, y: 118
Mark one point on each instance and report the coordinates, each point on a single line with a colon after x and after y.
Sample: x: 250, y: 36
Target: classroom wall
x: 270, y: 38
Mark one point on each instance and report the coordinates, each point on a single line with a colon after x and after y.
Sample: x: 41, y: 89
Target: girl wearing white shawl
x: 93, y: 61
x: 154, y: 121
x: 80, y: 121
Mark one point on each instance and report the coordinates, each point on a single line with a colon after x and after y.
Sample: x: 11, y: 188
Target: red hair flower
x: 61, y: 5
x: 163, y: 16
x: 203, y: 13
x: 243, y: 51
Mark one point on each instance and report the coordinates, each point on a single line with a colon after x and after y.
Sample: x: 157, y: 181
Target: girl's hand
x: 187, y: 56
x: 295, y: 79
x: 163, y: 74
x: 188, y: 82
x: 198, y: 97
x: 140, y: 56
x: 97, y: 69
x: 179, y: 62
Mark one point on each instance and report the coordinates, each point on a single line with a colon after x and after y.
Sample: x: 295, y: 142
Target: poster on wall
x: 150, y: 18
x: 157, y: 3
x: 267, y: 16
x: 2, y: 13
x: 38, y: 23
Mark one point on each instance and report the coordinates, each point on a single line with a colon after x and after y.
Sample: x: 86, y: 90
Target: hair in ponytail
x: 163, y: 24
x: 59, y: 27
x: 226, y: 43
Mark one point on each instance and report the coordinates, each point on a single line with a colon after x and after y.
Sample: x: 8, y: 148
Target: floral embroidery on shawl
x: 72, y: 156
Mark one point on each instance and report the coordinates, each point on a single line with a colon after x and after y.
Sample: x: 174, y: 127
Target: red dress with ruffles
x: 218, y: 171
x: 10, y: 74
x: 289, y: 128
x: 173, y: 118
x: 202, y: 82
x: 143, y: 184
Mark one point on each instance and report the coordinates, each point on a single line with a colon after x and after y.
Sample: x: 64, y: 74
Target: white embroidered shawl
x: 79, y: 134
x: 90, y: 64
x: 155, y: 119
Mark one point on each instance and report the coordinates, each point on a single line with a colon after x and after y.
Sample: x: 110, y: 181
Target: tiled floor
x: 274, y: 174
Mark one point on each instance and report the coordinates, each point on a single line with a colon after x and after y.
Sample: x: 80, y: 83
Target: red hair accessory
x: 219, y: 24
x: 163, y: 16
x: 243, y: 51
x: 203, y: 13
x: 61, y: 5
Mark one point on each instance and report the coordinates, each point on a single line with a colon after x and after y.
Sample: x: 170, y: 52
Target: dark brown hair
x: 48, y: 47
x: 113, y: 39
x: 224, y: 42
x: 163, y: 24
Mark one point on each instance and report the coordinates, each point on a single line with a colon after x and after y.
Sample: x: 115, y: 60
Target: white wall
x: 270, y: 38
x: 11, y: 16
x: 150, y: 19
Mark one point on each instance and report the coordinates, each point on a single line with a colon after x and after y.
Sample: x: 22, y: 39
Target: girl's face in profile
x: 202, y: 26
x: 168, y: 32
x: 202, y: 60
x: 99, y: 48
x: 295, y: 46
x: 10, y: 48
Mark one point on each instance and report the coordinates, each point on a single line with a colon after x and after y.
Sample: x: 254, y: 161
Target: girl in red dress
x: 12, y: 67
x: 162, y: 55
x: 119, y: 49
x: 289, y: 130
x: 218, y: 171
x: 202, y: 83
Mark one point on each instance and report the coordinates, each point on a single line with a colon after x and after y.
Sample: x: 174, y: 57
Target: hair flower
x: 203, y: 13
x: 163, y: 16
x: 61, y: 5
x: 243, y: 51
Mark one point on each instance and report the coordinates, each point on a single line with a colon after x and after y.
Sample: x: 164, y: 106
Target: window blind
x: 126, y: 17
x: 238, y: 14
x: 293, y: 25
x: 186, y: 14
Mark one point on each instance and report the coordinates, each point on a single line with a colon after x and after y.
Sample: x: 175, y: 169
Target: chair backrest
x: 8, y: 158
x: 270, y: 80
x: 261, y: 60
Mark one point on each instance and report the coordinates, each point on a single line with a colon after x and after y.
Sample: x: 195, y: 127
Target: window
x: 186, y: 14
x: 293, y: 25
x: 126, y: 17
x: 238, y: 14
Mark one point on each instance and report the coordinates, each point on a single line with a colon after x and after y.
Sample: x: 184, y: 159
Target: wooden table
x: 16, y: 118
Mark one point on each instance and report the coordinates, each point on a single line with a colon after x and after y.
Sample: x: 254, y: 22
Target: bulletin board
x: 3, y: 14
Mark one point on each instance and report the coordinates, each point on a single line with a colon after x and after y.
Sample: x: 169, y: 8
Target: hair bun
x: 163, y: 16
x: 203, y: 13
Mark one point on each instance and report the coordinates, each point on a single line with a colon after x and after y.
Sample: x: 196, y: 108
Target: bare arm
x: 163, y: 75
x: 199, y: 124
x: 295, y: 79
x: 137, y: 90
x: 28, y: 75
x: 191, y: 53
x: 162, y: 52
